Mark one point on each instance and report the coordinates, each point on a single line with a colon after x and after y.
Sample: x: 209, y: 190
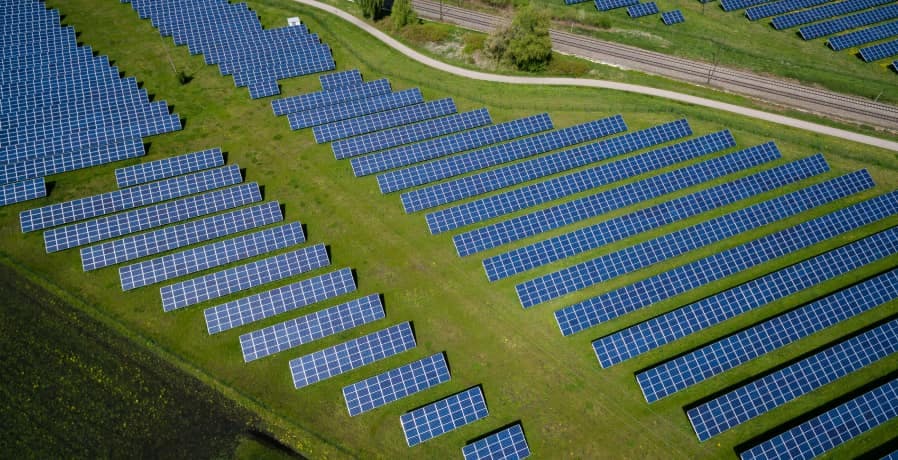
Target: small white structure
x: 293, y: 22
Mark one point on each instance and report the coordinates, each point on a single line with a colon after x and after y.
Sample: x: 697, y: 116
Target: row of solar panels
x: 231, y: 36
x: 61, y: 107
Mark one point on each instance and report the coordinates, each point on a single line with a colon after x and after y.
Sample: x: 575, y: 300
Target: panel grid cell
x: 442, y: 416
x: 638, y: 295
x: 674, y: 244
x: 642, y: 9
x: 18, y: 192
x: 311, y: 327
x: 779, y: 7
x: 279, y: 300
x: 608, y: 5
x: 395, y: 384
x: 353, y: 354
x: 508, y: 444
x: 332, y: 81
x: 354, y: 108
x: 879, y: 51
x: 225, y: 282
x: 864, y: 36
x: 383, y: 120
x: 311, y: 101
x: 823, y: 12
x: 672, y: 17
x: 853, y: 21
x: 169, y: 167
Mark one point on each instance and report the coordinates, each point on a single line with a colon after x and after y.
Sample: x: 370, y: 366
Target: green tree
x: 529, y: 47
x: 371, y: 8
x: 403, y: 14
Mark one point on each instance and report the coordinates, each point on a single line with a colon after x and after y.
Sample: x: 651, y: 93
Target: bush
x: 566, y: 65
x: 371, y: 9
x: 429, y: 32
x: 474, y: 42
x: 403, y: 14
x: 524, y: 44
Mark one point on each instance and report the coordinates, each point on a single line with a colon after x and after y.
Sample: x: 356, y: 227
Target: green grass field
x: 568, y: 405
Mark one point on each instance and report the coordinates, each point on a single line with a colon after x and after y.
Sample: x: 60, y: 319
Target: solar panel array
x: 407, y: 134
x: 354, y: 108
x: 353, y: 354
x: 710, y: 360
x: 672, y: 17
x: 305, y: 329
x: 536, y: 168
x: 832, y: 428
x: 733, y: 5
x: 594, y: 236
x: 608, y: 306
x: 593, y: 205
x: 213, y: 255
x: 443, y: 416
x: 312, y: 101
x: 824, y: 12
x: 779, y: 7
x: 107, y: 227
x: 128, y: 198
x: 242, y: 277
x: 423, y: 151
x: 22, y: 191
x: 332, y: 81
x: 879, y: 51
x: 508, y: 444
x: 642, y: 9
x: 383, y: 120
x: 494, y: 155
x: 773, y: 390
x: 607, y: 5
x: 395, y: 384
x: 168, y: 167
x: 84, y: 158
x: 853, y: 21
x: 863, y: 36
x: 170, y: 238
x: 665, y: 247
x: 279, y: 300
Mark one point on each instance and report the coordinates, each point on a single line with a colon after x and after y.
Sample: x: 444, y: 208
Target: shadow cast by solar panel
x: 283, y: 208
x: 881, y: 451
x: 50, y: 186
x: 440, y: 398
x: 445, y: 359
x: 498, y: 430
x: 262, y: 192
x: 273, y: 444
x: 790, y: 362
x: 146, y: 147
x: 823, y: 408
x: 243, y: 173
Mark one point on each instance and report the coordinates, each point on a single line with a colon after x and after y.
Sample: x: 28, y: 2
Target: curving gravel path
x: 604, y: 84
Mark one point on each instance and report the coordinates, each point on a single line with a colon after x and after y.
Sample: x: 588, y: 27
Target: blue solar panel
x: 587, y: 238
x: 128, y: 198
x: 210, y: 256
x: 606, y: 5
x: 354, y: 108
x: 729, y: 352
x: 508, y: 444
x: 168, y: 167
x: 17, y: 192
x: 854, y: 21
x: 242, y: 277
x: 383, y: 120
x: 392, y: 385
x: 593, y: 205
x: 490, y: 156
x: 404, y: 156
x: 573, y: 2
x: 616, y: 303
x: 336, y: 80
x: 325, y: 98
x: 863, y: 36
x: 642, y: 9
x: 137, y: 220
x: 824, y: 12
x: 662, y: 248
x: 311, y: 327
x: 879, y: 51
x: 832, y: 428
x: 350, y: 355
x: 381, y: 140
x: 443, y: 416
x: 279, y: 300
x: 169, y: 238
x: 672, y: 17
x: 780, y: 7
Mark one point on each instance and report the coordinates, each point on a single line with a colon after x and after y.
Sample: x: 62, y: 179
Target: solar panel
x: 336, y: 80
x: 606, y: 5
x: 395, y: 384
x: 259, y: 90
x: 570, y: 212
x: 642, y: 9
x: 594, y: 236
x: 283, y: 299
x: 729, y: 352
x: 210, y: 256
x: 17, y: 192
x: 128, y: 198
x: 491, y: 156
x: 665, y: 247
x: 508, y: 444
x: 354, y: 108
x: 779, y: 7
x: 879, y: 51
x: 832, y: 428
x: 573, y: 2
x: 443, y: 416
x: 824, y: 12
x: 381, y: 140
x: 383, y: 120
x: 311, y: 101
x: 672, y: 17
x: 242, y: 277
x: 423, y: 151
x: 169, y: 238
x: 299, y: 331
x: 608, y: 306
x: 49, y: 165
x: 169, y: 167
x: 352, y: 354
x: 567, y: 185
x: 864, y: 36
x: 854, y: 21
